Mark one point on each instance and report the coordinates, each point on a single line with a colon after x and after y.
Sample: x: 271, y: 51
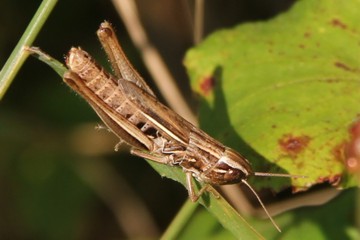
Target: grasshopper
x: 130, y: 109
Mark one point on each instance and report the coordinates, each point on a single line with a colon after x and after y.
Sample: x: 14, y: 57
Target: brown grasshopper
x: 131, y: 111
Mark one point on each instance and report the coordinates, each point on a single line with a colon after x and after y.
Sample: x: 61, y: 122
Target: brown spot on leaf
x: 339, y: 151
x: 293, y: 145
x: 343, y: 66
x: 301, y: 46
x: 355, y: 128
x: 331, y: 80
x: 352, y: 149
x: 338, y: 23
x: 307, y: 34
x: 207, y: 85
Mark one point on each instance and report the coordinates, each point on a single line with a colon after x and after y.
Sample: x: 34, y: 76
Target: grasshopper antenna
x: 264, y: 174
x: 262, y: 205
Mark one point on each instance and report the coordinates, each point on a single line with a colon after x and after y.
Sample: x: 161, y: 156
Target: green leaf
x: 285, y: 91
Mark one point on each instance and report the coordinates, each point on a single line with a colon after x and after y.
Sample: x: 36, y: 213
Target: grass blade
x: 18, y: 56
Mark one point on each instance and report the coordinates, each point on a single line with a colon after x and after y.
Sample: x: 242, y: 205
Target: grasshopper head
x: 229, y: 169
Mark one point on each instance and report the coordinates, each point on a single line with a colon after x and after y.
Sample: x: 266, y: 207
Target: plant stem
x: 180, y: 220
x: 18, y: 56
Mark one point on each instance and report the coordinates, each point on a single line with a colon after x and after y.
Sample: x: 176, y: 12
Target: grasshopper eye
x: 233, y: 176
x: 228, y: 174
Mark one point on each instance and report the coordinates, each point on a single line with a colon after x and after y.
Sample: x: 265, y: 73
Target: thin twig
x: 198, y: 21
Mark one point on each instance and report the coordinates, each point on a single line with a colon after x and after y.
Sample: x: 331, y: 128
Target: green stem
x: 180, y: 220
x: 18, y: 56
